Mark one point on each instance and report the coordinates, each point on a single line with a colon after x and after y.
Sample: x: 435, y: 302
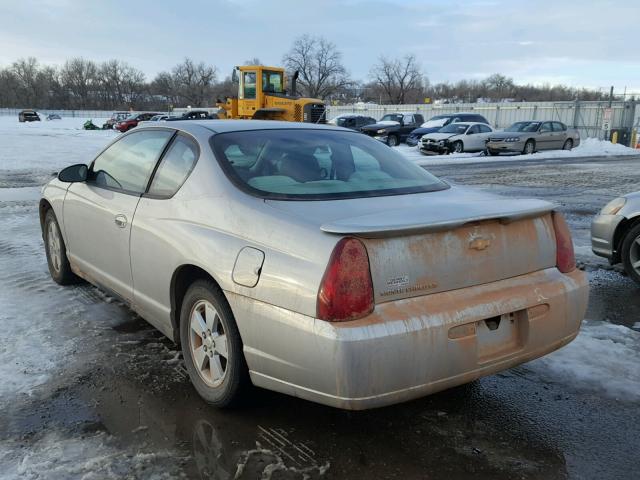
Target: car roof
x: 224, y: 126
x: 468, y: 123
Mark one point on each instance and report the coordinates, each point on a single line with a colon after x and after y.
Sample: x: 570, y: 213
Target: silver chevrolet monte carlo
x: 313, y: 260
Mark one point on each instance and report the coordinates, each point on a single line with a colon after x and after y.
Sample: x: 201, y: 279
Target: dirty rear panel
x: 474, y: 254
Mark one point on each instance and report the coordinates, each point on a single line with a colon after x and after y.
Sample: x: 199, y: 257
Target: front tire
x: 529, y: 147
x: 211, y: 345
x: 392, y: 141
x: 56, y: 252
x: 631, y: 253
x: 493, y: 153
x: 458, y: 147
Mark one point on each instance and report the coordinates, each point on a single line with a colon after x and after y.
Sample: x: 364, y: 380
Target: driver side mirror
x: 74, y: 173
x: 234, y: 76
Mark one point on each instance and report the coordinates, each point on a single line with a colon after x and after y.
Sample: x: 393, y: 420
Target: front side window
x: 127, y: 164
x: 391, y: 117
x: 249, y: 82
x: 272, y: 82
x: 408, y: 119
x: 175, y: 167
x: 316, y: 164
x: 546, y: 127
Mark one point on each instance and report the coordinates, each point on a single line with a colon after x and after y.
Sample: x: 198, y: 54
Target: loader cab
x: 254, y: 82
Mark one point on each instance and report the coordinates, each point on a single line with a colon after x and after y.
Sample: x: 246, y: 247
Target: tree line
x: 81, y: 83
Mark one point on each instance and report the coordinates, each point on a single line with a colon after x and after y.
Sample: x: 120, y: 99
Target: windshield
x: 342, y: 121
x: 523, y: 127
x: 391, y: 117
x: 456, y: 128
x: 316, y: 164
x: 437, y: 121
x: 272, y: 82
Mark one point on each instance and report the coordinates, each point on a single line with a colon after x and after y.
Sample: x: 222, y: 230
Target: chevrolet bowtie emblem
x: 479, y: 243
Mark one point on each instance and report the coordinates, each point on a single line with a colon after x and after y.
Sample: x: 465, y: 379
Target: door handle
x: 121, y: 220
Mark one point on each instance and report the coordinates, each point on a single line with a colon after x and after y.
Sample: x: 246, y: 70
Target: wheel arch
x: 181, y: 280
x: 618, y: 237
x: 43, y: 208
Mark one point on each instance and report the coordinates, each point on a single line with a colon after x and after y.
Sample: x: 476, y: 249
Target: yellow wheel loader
x: 262, y: 95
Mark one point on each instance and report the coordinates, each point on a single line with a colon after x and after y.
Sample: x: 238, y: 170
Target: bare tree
x: 122, y: 85
x: 319, y: 64
x: 194, y: 82
x: 80, y: 78
x: 398, y: 78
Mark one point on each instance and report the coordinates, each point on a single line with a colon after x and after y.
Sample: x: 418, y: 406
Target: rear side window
x: 127, y: 164
x: 484, y: 129
x: 317, y: 164
x: 559, y: 127
x: 175, y: 167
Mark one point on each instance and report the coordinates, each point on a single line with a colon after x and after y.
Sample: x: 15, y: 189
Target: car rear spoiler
x: 421, y: 220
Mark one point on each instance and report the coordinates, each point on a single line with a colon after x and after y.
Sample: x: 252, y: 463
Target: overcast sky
x: 591, y: 43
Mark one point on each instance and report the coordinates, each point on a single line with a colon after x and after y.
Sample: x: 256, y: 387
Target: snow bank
x: 604, y: 357
x: 589, y: 147
x: 86, y: 457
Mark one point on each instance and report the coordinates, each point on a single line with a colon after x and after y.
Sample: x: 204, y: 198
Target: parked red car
x: 132, y: 121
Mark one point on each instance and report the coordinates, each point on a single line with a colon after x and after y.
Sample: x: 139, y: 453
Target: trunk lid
x: 440, y: 241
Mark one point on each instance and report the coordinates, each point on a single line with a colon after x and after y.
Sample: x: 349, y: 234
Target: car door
x: 408, y: 125
x: 153, y: 232
x: 560, y: 134
x: 470, y: 139
x: 545, y: 140
x: 483, y: 136
x: 98, y: 213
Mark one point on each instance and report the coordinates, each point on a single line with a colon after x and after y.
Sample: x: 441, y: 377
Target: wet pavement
x: 114, y: 400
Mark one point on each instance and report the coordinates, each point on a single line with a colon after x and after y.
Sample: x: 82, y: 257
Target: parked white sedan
x: 456, y: 138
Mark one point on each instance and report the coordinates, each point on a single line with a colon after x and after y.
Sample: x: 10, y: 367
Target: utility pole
x: 611, y: 96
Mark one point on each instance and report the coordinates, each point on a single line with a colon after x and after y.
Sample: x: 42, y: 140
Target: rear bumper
x: 603, y: 228
x: 414, y: 347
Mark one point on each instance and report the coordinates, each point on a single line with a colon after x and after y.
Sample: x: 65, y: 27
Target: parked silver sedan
x: 530, y: 137
x: 313, y: 260
x: 615, y: 233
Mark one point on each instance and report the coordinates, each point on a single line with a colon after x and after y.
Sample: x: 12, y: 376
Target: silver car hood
x: 404, y: 214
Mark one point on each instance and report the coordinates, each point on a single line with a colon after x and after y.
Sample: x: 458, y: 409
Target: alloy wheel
x: 208, y: 343
x: 53, y: 244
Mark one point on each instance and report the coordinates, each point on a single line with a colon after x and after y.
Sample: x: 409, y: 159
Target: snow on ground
x: 34, y: 150
x: 589, y: 147
x: 91, y: 457
x: 604, y: 357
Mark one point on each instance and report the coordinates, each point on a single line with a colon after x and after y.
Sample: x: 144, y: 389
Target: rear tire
x: 493, y: 153
x: 392, y: 141
x: 529, y: 147
x: 568, y: 144
x: 56, y: 251
x: 211, y: 345
x: 631, y: 253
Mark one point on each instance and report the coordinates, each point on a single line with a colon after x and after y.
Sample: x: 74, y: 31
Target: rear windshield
x: 317, y: 165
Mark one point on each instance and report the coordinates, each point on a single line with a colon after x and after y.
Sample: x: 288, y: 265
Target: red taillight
x: 346, y: 291
x: 565, y: 258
